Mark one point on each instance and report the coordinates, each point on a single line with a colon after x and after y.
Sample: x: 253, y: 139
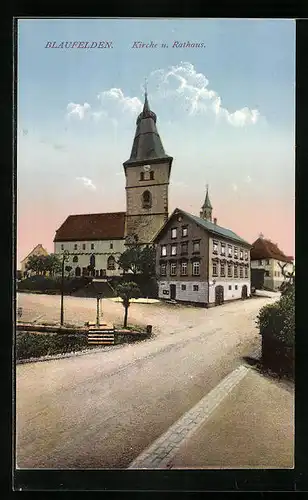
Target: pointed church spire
x: 147, y: 143
x: 206, y: 209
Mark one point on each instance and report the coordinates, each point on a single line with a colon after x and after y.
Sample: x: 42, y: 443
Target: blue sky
x: 225, y: 113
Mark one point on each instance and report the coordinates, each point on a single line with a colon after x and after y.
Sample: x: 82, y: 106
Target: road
x: 100, y: 410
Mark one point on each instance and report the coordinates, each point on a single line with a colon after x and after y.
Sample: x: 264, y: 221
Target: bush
x: 32, y: 345
x: 277, y: 327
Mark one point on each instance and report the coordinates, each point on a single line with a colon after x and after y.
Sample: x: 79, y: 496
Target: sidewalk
x: 246, y: 422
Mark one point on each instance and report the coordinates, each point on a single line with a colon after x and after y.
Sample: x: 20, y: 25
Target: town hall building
x: 94, y: 242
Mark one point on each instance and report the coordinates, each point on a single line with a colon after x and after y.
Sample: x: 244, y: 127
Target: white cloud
x: 78, y: 110
x: 86, y: 182
x: 234, y: 186
x: 116, y: 97
x: 191, y: 87
x: 248, y: 179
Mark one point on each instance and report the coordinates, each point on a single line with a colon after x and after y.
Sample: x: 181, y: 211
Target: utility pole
x: 64, y: 259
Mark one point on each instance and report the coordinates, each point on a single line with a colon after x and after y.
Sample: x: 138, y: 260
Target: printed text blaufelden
x: 162, y: 45
x: 79, y: 45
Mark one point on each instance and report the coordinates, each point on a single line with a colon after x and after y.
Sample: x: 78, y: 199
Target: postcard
x: 155, y: 244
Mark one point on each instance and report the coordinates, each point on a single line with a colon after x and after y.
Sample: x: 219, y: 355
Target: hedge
x: 277, y: 327
x: 33, y: 345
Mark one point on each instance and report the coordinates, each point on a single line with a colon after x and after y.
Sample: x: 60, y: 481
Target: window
x: 222, y: 269
x: 173, y: 269
x: 223, y: 249
x: 83, y: 246
x: 215, y: 247
x: 230, y: 287
x: 235, y: 252
x: 77, y: 271
x: 195, y: 288
x: 196, y: 269
x: 235, y: 271
x: 102, y: 272
x: 97, y: 273
x: 184, y: 268
x: 246, y: 255
x: 246, y: 272
x: 229, y: 251
x: 163, y: 251
x: 173, y: 249
x: 111, y: 262
x: 163, y: 269
x: 267, y: 273
x: 267, y: 262
x: 151, y: 175
x: 84, y: 271
x: 142, y: 176
x: 111, y: 245
x: 92, y: 260
x: 62, y: 247
x: 146, y: 199
x: 196, y: 246
x: 75, y: 246
x: 92, y: 246
x: 184, y: 248
x: 183, y: 287
x: 173, y: 233
x: 241, y: 271
x: 241, y: 254
x: 229, y: 270
x: 260, y: 262
x: 75, y: 258
x: 235, y: 287
x: 184, y: 231
x: 215, y: 273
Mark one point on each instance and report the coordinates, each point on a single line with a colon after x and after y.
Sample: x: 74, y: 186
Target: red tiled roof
x: 86, y: 227
x: 265, y: 249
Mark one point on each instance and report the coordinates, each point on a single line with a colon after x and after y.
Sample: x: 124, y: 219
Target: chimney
x: 215, y: 220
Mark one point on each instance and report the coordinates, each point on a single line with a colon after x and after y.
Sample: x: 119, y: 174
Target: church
x: 97, y: 240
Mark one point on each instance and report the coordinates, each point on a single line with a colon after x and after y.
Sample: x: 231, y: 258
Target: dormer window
x: 146, y: 199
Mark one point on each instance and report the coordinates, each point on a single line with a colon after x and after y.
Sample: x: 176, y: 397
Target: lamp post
x: 95, y: 282
x: 64, y: 259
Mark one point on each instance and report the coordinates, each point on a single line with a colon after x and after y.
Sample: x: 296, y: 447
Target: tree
x: 138, y: 260
x: 41, y: 264
x: 127, y: 291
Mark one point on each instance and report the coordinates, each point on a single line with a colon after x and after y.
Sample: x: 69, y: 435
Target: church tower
x: 147, y: 175
x: 206, y: 209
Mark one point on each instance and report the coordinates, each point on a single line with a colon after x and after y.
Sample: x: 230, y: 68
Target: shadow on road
x: 256, y: 363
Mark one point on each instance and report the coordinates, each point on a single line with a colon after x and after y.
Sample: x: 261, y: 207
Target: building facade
x: 199, y: 262
x: 37, y: 250
x: 95, y: 241
x: 267, y: 256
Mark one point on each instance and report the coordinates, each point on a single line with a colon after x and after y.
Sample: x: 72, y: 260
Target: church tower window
x: 146, y: 199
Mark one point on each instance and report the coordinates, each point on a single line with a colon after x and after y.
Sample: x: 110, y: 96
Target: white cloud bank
x: 184, y: 82
x: 86, y: 182
x: 180, y: 82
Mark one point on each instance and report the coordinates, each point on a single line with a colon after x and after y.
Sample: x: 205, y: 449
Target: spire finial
x: 145, y: 86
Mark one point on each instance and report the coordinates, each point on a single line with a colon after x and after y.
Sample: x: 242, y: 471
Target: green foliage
x: 138, y: 260
x: 32, y: 345
x: 41, y: 264
x: 278, y: 320
x: 127, y: 290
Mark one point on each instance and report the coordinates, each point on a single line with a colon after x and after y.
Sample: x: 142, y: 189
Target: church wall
x: 101, y: 251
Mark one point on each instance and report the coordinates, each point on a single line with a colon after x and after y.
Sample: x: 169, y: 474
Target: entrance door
x: 172, y: 292
x: 219, y: 295
x: 244, y: 292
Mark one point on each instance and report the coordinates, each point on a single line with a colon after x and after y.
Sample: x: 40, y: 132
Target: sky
x: 225, y: 106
